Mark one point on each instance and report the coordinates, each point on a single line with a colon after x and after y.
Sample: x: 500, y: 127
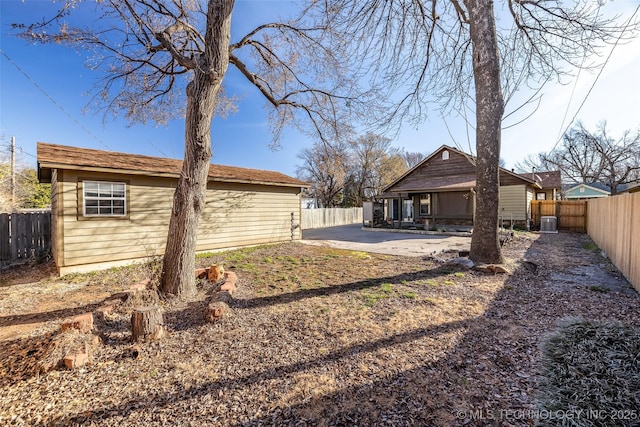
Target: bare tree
x: 372, y: 165
x: 588, y: 157
x: 452, y: 53
x: 533, y: 162
x: 159, y: 54
x: 412, y: 158
x: 414, y: 52
x: 347, y: 173
x: 325, y: 167
x: 390, y: 167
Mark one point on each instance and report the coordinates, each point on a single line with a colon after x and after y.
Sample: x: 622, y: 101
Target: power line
x: 596, y: 79
x: 575, y: 84
x: 53, y: 100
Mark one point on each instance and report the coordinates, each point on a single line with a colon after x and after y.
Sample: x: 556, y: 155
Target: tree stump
x: 146, y: 322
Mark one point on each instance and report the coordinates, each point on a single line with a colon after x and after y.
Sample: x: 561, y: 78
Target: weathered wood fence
x: 24, y: 235
x: 329, y: 217
x: 614, y: 225
x: 571, y: 214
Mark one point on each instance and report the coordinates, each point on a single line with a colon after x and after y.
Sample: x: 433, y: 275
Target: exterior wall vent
x: 548, y: 224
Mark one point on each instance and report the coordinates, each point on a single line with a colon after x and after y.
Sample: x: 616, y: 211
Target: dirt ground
x: 315, y: 336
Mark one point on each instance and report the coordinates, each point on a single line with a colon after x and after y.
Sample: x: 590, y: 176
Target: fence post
x: 5, y: 237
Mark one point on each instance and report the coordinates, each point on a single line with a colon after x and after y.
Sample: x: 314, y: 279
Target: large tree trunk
x: 485, y: 244
x: 189, y: 199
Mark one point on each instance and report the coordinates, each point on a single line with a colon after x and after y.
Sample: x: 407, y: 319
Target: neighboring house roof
x: 52, y: 156
x: 600, y: 186
x: 451, y: 179
x: 546, y: 179
x: 585, y: 191
x: 631, y: 188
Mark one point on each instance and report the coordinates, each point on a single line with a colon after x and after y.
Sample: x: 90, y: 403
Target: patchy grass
x: 410, y: 295
x: 592, y: 366
x: 591, y: 246
x: 320, y: 336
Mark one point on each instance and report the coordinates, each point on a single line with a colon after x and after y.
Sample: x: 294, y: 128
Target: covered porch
x: 430, y: 210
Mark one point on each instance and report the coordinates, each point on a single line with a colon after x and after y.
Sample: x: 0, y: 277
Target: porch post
x: 473, y: 194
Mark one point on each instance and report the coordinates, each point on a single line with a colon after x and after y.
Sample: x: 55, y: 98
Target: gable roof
x: 546, y: 179
x: 588, y: 190
x: 451, y: 182
x: 52, y: 156
x: 597, y: 185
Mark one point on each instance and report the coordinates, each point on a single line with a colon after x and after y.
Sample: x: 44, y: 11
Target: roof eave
x: 53, y: 165
x: 42, y: 166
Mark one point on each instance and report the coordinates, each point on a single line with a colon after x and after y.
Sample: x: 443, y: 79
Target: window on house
x: 541, y: 196
x: 425, y: 204
x: 101, y: 198
x: 445, y: 155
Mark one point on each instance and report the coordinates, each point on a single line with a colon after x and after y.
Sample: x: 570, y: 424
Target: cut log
x: 215, y: 273
x: 218, y: 306
x: 81, y: 322
x: 215, y: 310
x: 147, y: 323
x: 222, y: 296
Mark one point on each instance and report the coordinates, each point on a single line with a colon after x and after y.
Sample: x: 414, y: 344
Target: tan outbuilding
x: 112, y: 208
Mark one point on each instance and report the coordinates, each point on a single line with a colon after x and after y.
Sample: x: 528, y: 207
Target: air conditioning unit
x: 548, y: 224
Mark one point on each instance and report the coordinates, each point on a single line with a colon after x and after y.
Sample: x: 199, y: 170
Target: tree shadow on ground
x: 48, y: 316
x: 289, y: 297
x: 28, y: 272
x: 487, y: 378
x: 21, y: 358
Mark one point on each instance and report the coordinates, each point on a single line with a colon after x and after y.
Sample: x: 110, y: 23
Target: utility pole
x: 13, y: 169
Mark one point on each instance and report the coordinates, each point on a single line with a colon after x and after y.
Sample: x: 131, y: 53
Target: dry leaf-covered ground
x: 316, y: 336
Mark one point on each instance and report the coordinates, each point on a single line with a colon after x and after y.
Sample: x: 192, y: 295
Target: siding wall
x: 514, y: 200
x: 435, y: 168
x: 55, y: 216
x: 235, y: 215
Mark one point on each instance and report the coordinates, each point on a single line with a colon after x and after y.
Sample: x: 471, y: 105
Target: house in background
x: 550, y: 183
x: 111, y: 208
x: 441, y: 190
x: 308, y: 200
x: 586, y: 191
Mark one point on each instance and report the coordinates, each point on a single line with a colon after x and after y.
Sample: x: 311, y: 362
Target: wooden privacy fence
x: 329, y: 217
x: 614, y: 225
x: 571, y: 214
x: 23, y: 235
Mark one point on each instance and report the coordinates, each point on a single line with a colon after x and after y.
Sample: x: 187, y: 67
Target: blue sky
x: 243, y: 138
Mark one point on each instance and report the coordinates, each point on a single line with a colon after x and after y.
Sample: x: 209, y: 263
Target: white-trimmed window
x: 103, y: 198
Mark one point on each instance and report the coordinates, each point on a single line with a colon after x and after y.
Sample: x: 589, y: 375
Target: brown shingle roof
x: 446, y: 183
x: 52, y: 156
x: 547, y: 179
